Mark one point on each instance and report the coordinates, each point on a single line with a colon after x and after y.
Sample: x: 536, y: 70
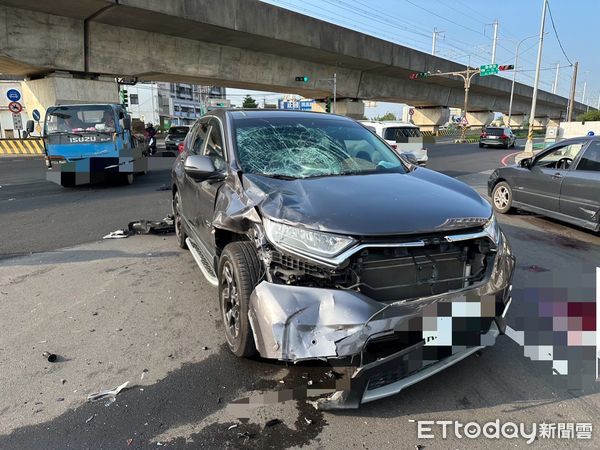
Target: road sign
x: 36, y: 115
x: 15, y: 107
x: 17, y: 122
x: 464, y: 121
x: 13, y: 95
x: 411, y: 111
x: 488, y: 69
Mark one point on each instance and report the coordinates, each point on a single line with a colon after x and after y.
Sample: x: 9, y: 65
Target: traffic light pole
x: 467, y: 76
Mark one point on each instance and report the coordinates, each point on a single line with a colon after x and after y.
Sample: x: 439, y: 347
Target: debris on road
x: 537, y: 269
x: 63, y: 381
x: 89, y: 419
x: 231, y: 427
x: 129, y: 442
x: 164, y: 187
x: 272, y: 422
x: 144, y: 372
x: 308, y: 421
x: 164, y: 226
x: 107, y: 394
x: 51, y: 357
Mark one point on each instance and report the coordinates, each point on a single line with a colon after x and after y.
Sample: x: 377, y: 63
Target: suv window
x: 494, y: 131
x: 214, y: 145
x: 590, y: 160
x: 178, y: 130
x: 197, y: 146
x: 400, y: 134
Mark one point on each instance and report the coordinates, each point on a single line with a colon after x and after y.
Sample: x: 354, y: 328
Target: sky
x: 468, y: 33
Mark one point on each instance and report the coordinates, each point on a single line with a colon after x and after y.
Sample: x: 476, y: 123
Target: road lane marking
x: 503, y: 161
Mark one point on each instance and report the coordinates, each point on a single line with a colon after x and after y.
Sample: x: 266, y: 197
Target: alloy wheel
x: 230, y: 302
x: 501, y: 197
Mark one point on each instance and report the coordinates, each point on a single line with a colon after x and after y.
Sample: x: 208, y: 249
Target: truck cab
x: 91, y: 143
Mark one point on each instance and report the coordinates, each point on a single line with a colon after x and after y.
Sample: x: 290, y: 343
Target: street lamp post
x: 512, y: 88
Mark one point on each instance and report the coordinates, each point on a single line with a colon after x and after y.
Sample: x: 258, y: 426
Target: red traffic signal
x: 506, y: 67
x: 415, y: 76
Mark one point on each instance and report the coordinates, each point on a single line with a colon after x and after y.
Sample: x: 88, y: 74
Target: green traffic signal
x: 303, y: 79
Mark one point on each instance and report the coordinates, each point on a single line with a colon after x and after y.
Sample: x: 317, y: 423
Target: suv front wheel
x: 239, y: 273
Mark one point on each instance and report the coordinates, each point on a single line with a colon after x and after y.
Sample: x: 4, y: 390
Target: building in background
x: 166, y: 104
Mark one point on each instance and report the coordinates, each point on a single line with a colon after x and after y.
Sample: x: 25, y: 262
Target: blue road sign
x: 36, y: 115
x: 13, y: 95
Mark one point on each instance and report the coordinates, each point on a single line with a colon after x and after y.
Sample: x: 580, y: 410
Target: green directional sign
x: 488, y: 69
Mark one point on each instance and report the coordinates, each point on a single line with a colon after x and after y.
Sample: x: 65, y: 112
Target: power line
x: 556, y: 33
x: 445, y: 18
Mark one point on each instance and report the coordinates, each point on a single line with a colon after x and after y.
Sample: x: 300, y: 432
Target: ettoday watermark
x: 431, y: 429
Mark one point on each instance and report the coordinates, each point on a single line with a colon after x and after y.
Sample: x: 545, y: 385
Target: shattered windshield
x: 294, y: 147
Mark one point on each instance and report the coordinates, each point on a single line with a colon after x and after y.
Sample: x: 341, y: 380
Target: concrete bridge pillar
x: 429, y: 118
x: 516, y: 120
x: 540, y: 122
x: 61, y: 89
x: 478, y: 119
x: 344, y: 107
x: 553, y: 122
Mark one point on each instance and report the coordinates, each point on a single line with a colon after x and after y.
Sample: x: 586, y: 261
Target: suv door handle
x: 557, y: 175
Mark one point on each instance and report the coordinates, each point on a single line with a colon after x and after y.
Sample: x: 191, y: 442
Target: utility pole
x: 572, y: 96
x: 555, y: 85
x: 436, y: 33
x: 529, y: 145
x: 495, y: 39
x: 334, y: 93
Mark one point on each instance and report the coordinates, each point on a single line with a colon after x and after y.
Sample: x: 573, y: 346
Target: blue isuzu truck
x: 91, y: 143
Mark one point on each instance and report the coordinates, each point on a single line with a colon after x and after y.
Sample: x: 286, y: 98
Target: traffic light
x: 124, y: 97
x: 418, y: 75
x: 303, y: 79
x: 506, y: 67
x: 328, y: 105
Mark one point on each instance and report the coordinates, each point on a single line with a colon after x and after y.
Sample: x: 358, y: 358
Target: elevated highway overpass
x: 242, y: 44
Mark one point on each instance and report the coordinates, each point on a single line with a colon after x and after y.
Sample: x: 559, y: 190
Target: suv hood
x: 420, y: 201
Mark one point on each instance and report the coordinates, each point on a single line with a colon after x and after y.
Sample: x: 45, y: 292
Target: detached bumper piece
x: 388, y: 345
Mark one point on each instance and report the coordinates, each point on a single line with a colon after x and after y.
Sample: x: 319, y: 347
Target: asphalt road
x: 138, y: 310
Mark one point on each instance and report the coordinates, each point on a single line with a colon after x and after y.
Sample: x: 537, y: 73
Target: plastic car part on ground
x: 107, y: 394
x: 164, y: 226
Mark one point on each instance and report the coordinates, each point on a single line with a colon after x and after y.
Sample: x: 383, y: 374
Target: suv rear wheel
x: 239, y: 273
x: 177, y: 221
x: 502, y: 197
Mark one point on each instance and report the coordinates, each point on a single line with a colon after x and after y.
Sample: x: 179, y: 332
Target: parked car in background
x: 325, y: 245
x: 402, y: 136
x: 497, y: 137
x: 562, y: 181
x: 175, y: 136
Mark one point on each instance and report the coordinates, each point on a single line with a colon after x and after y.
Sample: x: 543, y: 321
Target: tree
x: 589, y: 116
x: 249, y: 102
x: 387, y: 116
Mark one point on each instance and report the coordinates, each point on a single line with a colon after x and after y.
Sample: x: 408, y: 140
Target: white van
x: 402, y: 136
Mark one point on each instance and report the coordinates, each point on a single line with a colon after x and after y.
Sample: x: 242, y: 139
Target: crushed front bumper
x: 296, y: 323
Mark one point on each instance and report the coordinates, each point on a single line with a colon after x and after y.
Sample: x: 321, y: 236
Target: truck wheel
x: 127, y: 179
x: 502, y: 197
x: 239, y: 273
x: 177, y: 221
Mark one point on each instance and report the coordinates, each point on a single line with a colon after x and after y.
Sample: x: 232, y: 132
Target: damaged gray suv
x: 326, y: 245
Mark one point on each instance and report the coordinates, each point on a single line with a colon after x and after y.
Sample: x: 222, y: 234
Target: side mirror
x: 30, y: 126
x: 200, y: 168
x: 411, y: 158
x: 526, y: 162
x: 127, y: 122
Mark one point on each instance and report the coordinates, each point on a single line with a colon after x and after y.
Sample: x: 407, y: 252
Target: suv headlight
x: 306, y: 241
x: 492, y: 230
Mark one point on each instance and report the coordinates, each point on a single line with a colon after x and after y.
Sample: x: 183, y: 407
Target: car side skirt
x: 559, y: 216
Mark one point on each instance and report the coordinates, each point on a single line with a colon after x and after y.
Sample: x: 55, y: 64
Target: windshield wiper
x: 61, y: 133
x: 281, y: 177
